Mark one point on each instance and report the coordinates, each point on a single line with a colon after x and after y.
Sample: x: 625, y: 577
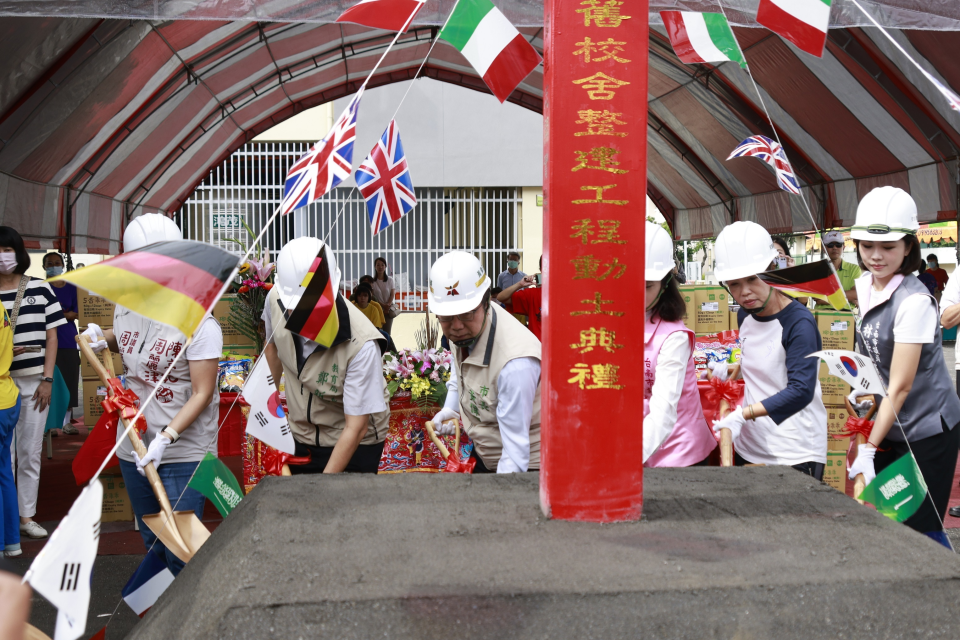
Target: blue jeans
x: 9, y: 509
x: 175, y: 477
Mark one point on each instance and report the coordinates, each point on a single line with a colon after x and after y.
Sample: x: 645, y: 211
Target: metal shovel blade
x: 186, y: 522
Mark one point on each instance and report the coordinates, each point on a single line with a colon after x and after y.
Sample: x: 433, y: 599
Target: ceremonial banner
x: 390, y: 15
x: 853, y: 368
x: 173, y: 282
x: 214, y: 480
x: 61, y: 572
x: 267, y: 422
x: 595, y: 131
x: 897, y: 491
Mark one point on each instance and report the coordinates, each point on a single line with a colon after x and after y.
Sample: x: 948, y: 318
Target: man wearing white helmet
x: 495, y: 382
x: 675, y: 433
x: 182, y: 417
x: 900, y: 332
x: 783, y: 420
x: 336, y: 396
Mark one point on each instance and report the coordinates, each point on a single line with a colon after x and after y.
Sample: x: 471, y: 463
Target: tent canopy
x: 102, y: 119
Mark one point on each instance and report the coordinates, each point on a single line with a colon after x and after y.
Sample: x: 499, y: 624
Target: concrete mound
x: 720, y: 553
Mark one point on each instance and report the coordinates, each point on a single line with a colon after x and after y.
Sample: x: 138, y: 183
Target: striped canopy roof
x: 102, y: 119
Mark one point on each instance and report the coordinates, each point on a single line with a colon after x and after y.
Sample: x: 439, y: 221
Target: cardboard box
x: 713, y: 309
x: 836, y: 419
x: 835, y: 471
x: 93, y: 394
x: 734, y: 310
x: 86, y: 371
x: 838, y: 444
x: 836, y: 328
x: 94, y: 309
x: 222, y: 312
x: 116, y: 501
x: 834, y: 389
x: 690, y: 315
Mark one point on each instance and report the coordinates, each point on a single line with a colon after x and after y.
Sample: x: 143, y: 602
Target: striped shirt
x: 39, y: 311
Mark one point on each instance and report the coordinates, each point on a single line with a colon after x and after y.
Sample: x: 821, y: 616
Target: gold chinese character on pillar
x: 599, y: 158
x: 599, y: 123
x: 598, y: 376
x: 599, y: 193
x: 600, y: 86
x: 597, y: 303
x: 602, y: 13
x: 608, y: 232
x: 588, y: 268
x: 594, y: 338
x: 607, y: 50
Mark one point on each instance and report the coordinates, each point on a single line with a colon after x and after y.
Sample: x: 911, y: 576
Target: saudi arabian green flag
x: 214, y: 480
x: 897, y: 491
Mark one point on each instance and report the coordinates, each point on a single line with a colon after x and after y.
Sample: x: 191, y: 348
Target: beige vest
x: 503, y: 339
x: 315, y: 395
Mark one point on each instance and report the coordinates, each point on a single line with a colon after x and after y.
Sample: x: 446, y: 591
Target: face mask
x: 8, y: 262
x: 53, y: 271
x: 512, y: 264
x: 932, y: 265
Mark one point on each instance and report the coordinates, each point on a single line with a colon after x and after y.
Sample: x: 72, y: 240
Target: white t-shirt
x: 917, y: 318
x: 207, y: 342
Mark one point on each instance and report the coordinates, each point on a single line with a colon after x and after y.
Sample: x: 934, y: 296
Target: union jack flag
x: 326, y: 165
x: 773, y: 154
x: 384, y: 181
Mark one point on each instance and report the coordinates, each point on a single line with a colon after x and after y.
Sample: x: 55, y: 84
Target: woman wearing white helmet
x: 900, y: 331
x: 182, y: 418
x: 495, y: 381
x: 336, y: 394
x: 783, y: 421
x: 675, y: 433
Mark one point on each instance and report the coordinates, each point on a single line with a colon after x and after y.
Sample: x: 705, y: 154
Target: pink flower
x: 262, y: 272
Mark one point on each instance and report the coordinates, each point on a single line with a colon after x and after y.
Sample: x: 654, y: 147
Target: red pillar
x: 595, y: 149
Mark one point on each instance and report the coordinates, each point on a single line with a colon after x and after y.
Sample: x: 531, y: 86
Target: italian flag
x: 802, y: 22
x: 491, y: 44
x: 702, y: 37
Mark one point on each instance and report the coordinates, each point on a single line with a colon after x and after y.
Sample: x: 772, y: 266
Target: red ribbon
x: 274, y: 460
x: 454, y: 464
x: 719, y: 390
x: 856, y: 426
x: 123, y: 401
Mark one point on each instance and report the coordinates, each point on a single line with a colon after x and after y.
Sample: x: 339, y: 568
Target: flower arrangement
x: 253, y: 284
x: 423, y: 373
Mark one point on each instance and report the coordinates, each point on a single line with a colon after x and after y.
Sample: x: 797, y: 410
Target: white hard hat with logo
x: 294, y: 262
x: 743, y: 249
x: 884, y: 215
x: 457, y: 284
x: 148, y: 228
x: 659, y: 253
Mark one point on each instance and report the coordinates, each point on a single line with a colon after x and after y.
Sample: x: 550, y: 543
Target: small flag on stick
x: 802, y: 22
x: 267, y: 422
x: 702, y: 37
x: 772, y: 153
x: 856, y: 370
x: 315, y: 315
x: 384, y: 181
x: 815, y: 279
x: 389, y: 15
x: 173, y: 282
x: 897, y: 491
x: 61, y: 572
x: 214, y: 480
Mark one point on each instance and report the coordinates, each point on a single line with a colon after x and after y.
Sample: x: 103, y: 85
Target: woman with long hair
x: 383, y: 292
x: 675, y: 433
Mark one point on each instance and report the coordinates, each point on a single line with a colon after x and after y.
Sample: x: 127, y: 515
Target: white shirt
x: 917, y: 318
x: 516, y: 390
x: 667, y: 386
x: 363, y: 381
x: 207, y: 341
x: 950, y: 297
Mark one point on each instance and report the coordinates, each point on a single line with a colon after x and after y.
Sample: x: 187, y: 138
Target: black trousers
x: 366, y: 459
x: 68, y: 361
x: 814, y: 469
x: 937, y: 458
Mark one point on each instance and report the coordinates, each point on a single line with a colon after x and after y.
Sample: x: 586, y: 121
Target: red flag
x: 390, y: 15
x: 101, y: 439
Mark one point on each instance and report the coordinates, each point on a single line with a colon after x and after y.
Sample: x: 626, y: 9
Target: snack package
x: 233, y: 374
x: 716, y: 347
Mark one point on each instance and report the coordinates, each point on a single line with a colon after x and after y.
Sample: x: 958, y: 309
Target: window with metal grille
x: 248, y: 186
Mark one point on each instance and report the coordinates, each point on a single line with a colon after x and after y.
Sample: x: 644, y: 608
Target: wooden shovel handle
x: 437, y: 441
x: 859, y: 483
x: 853, y: 412
x: 726, y: 438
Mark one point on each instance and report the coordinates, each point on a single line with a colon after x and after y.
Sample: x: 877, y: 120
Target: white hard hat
x: 659, y: 253
x: 149, y: 228
x: 884, y: 215
x: 742, y: 249
x: 294, y: 262
x: 457, y: 284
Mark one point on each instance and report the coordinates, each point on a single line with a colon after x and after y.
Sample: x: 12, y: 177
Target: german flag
x: 172, y: 282
x: 817, y: 279
x: 315, y: 316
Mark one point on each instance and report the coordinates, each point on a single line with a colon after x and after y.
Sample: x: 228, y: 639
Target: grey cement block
x: 720, y: 553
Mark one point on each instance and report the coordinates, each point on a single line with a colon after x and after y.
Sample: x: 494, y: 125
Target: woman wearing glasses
x: 495, y: 381
x: 900, y: 332
x: 848, y: 272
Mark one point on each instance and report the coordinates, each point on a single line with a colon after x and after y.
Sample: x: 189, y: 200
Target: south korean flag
x: 853, y: 368
x: 267, y: 421
x: 61, y: 572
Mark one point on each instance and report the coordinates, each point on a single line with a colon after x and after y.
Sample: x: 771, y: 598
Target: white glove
x: 859, y: 407
x: 440, y: 424
x: 97, y: 343
x: 733, y: 421
x: 154, y: 453
x: 720, y: 370
x: 864, y: 463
